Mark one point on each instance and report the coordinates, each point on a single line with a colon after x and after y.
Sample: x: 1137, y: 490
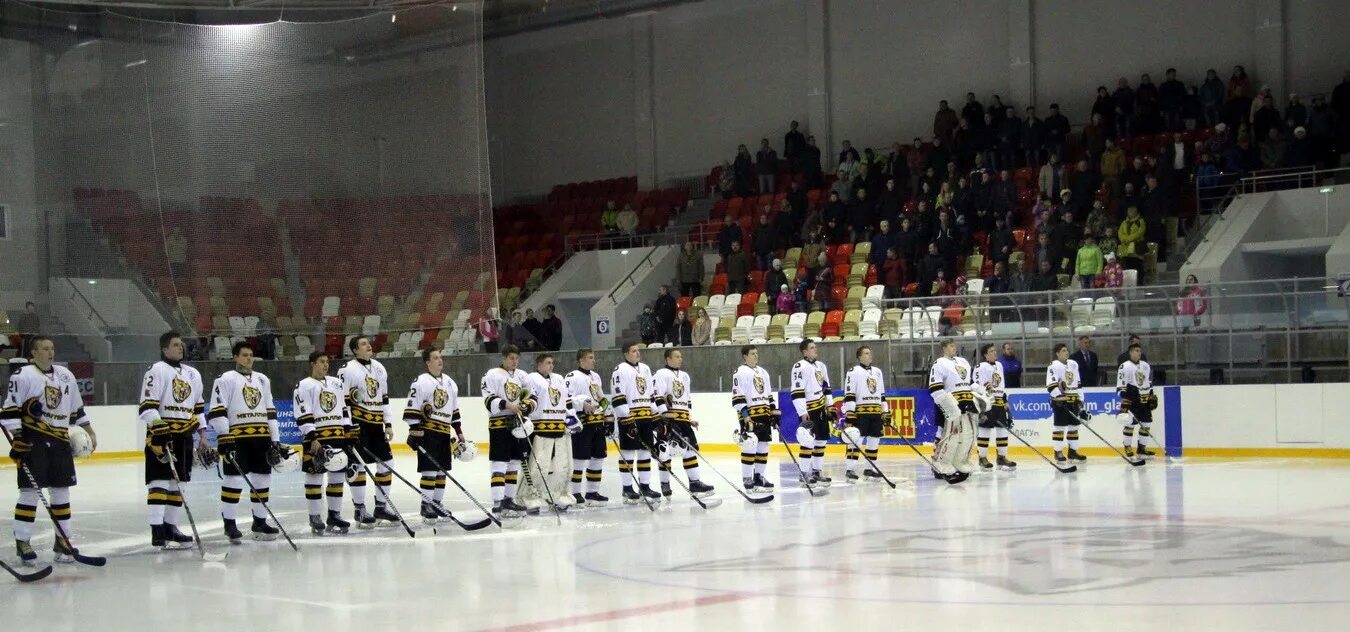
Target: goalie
x: 548, y: 465
x: 949, y: 383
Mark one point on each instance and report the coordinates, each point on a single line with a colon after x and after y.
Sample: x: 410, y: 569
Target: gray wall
x: 20, y: 275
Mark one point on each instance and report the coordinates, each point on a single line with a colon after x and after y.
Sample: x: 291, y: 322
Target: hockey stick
x: 1063, y: 470
x: 266, y: 507
x: 450, y: 478
x: 873, y: 463
x: 632, y: 465
x: 1113, y: 447
x: 88, y: 560
x: 911, y: 446
x: 666, y: 466
x: 529, y: 456
x: 379, y: 489
x: 467, y: 527
x: 173, y: 470
x: 753, y: 500
x: 804, y: 477
x: 27, y: 577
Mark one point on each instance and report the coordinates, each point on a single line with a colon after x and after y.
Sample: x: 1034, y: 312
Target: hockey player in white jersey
x: 585, y: 388
x: 549, y: 458
x: 434, y: 426
x: 813, y: 399
x: 42, y: 408
x: 674, y: 403
x: 1061, y: 380
x: 949, y: 384
x: 171, y: 409
x: 995, y: 421
x: 633, y: 389
x: 323, y: 419
x: 508, y: 401
x: 248, y: 439
x: 865, y: 408
x: 756, y: 405
x: 367, y: 386
x: 1134, y: 385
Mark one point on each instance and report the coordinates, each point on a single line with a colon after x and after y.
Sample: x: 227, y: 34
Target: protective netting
x: 296, y: 183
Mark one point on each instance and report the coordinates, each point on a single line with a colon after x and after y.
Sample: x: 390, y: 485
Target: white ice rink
x: 1197, y: 544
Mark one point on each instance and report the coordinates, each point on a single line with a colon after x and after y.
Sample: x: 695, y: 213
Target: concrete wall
x: 1275, y: 235
x: 21, y: 275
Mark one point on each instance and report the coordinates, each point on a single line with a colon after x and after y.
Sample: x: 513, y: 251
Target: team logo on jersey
x: 553, y: 396
x: 327, y: 400
x: 820, y: 378
x: 51, y: 395
x: 641, y: 384
x: 961, y: 372
x: 181, y: 390
x: 1068, y: 377
x: 252, y: 396
x: 677, y: 388
x: 439, y: 398
x: 512, y: 391
x: 372, y: 387
x: 1139, y: 379
x: 871, y: 384
x: 996, y: 381
x: 759, y: 384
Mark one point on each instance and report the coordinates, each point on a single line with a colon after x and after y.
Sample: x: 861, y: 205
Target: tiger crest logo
x: 372, y: 387
x: 252, y: 396
x: 677, y: 388
x: 553, y: 396
x: 820, y: 378
x: 759, y: 384
x: 51, y: 396
x: 641, y: 384
x: 512, y: 391
x: 996, y: 381
x: 1068, y: 377
x: 327, y: 401
x: 439, y: 398
x: 961, y: 372
x: 1139, y: 379
x: 181, y: 390
x: 871, y: 384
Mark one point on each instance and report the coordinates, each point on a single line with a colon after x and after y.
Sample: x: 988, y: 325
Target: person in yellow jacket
x: 1131, y: 233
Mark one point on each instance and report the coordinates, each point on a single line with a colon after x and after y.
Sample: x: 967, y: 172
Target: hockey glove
x: 225, y: 448
x: 388, y: 432
x: 1082, y: 413
x: 414, y: 438
x: 573, y: 425
x: 612, y: 429
x: 205, y: 455
x: 18, y: 446
x: 1153, y: 403
x: 157, y: 450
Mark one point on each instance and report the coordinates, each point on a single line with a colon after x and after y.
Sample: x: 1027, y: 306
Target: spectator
x: 1112, y: 166
x: 520, y: 333
x: 1192, y: 301
x: 1239, y: 84
x: 812, y: 227
x: 801, y: 293
x: 1064, y: 238
x: 1146, y: 115
x: 731, y: 232
x: 797, y: 201
x: 849, y: 155
x: 824, y: 282
x: 737, y: 268
x: 1211, y: 97
x: 701, y: 333
x: 665, y: 309
x: 1192, y: 109
x: 1132, y: 178
x: 793, y: 144
x: 908, y: 241
x: 1019, y: 282
x: 881, y: 242
x: 945, y: 122
x: 609, y: 218
x: 1046, y: 280
x: 941, y: 286
x: 784, y: 226
x: 1297, y: 152
x: 1051, y: 177
x: 930, y: 268
x: 765, y: 241
x: 1056, y: 130
x: 1112, y: 273
x: 1264, y: 118
x: 1340, y: 105
x: 897, y: 175
x: 535, y: 329
x: 997, y: 109
x: 917, y: 160
x: 1089, y: 370
x: 1131, y: 234
x: 551, y: 329
x: 892, y: 273
x: 892, y: 202
x: 1171, y: 95
x: 810, y: 164
x: 1007, y: 140
x: 1002, y: 242
x: 1089, y: 262
x: 1124, y: 102
x: 766, y: 166
x: 1012, y: 366
x: 489, y: 328
x: 972, y: 112
x: 1096, y: 222
x: 1044, y: 252
x: 842, y: 189
x: 726, y: 181
x: 1132, y: 340
x: 1095, y: 134
x: 177, y: 247
x: 774, y: 279
x: 1084, y: 184
x: 682, y: 331
x: 628, y: 220
x: 862, y: 216
x: 648, y: 328
x: 743, y: 169
x: 998, y: 282
x: 937, y: 158
x: 783, y: 300
x: 1237, y: 109
x: 1105, y: 107
x: 1272, y: 149
x: 1295, y: 114
x: 690, y: 271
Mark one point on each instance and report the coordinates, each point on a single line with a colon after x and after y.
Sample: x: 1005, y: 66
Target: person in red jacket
x: 893, y: 273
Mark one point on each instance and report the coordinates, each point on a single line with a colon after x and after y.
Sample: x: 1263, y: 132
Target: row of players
x: 557, y: 427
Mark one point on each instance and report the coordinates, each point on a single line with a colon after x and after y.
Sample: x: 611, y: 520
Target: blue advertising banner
x: 912, y: 416
x: 290, y: 433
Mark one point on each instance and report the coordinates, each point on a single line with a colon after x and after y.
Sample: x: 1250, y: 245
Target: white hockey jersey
x: 319, y: 408
x: 1134, y: 382
x: 44, y: 402
x: 752, y: 391
x: 990, y: 376
x: 171, y: 399
x: 633, y: 389
x: 1061, y: 380
x: 500, y: 387
x: 433, y: 404
x: 864, y: 392
x: 951, y: 375
x: 367, y: 387
x: 550, y: 415
x: 674, y: 397
x: 241, y: 407
x: 586, y: 387
x: 810, y: 387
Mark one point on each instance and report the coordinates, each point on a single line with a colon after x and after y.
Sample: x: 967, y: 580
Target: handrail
x: 628, y: 279
x: 92, y: 310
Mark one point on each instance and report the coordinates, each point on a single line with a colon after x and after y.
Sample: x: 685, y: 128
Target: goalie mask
x: 465, y: 450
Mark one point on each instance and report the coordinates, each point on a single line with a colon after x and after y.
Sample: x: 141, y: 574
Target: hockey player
x: 41, y: 407
x: 997, y: 421
x: 248, y: 439
x: 1061, y: 380
x: 757, y: 408
x: 1134, y: 385
x: 949, y: 383
x: 171, y: 408
x: 865, y: 408
x: 813, y: 399
x: 674, y: 401
x: 508, y: 402
x: 584, y: 389
x: 633, y: 389
x: 433, y: 420
x: 323, y: 420
x: 548, y: 459
x: 366, y: 383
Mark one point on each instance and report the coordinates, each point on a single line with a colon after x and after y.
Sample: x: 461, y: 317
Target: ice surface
x: 1195, y: 545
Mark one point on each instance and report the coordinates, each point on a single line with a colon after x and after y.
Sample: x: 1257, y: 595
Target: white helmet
x: 749, y: 442
x: 805, y: 437
x: 332, y: 459
x: 284, y: 459
x: 854, y: 434
x: 465, y: 450
x: 667, y: 451
x: 80, y: 443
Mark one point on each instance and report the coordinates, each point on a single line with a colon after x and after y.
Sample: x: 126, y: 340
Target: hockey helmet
x: 465, y: 450
x: 81, y: 445
x: 332, y: 459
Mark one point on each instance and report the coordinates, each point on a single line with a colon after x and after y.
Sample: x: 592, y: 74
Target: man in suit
x: 1087, y: 362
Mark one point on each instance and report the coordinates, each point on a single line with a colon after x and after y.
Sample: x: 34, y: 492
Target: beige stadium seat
x: 279, y: 287
x: 216, y: 286
x: 365, y: 287
x: 857, y: 274
x: 861, y: 252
